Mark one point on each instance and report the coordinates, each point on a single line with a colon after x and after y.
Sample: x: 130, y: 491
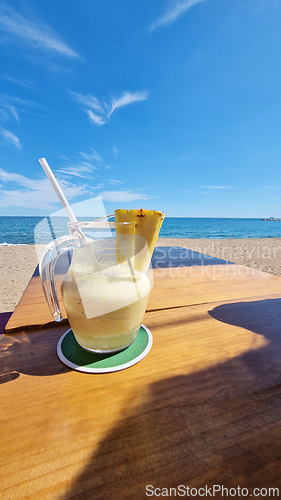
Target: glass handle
x: 47, y: 266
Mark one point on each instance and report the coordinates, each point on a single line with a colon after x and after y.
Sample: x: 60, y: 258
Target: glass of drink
x: 105, y: 297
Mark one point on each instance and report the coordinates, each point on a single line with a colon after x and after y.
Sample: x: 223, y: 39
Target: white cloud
x: 87, y: 100
x: 114, y: 181
x: 9, y: 111
x: 12, y: 106
x: 98, y: 186
x: 92, y: 207
x: 93, y: 156
x: 124, y: 196
x: 100, y: 112
x: 32, y: 32
x: 10, y: 177
x: 176, y: 9
x: 217, y: 187
x: 34, y: 193
x: 14, y: 113
x: 21, y: 82
x: 17, y: 178
x: 81, y: 170
x: 7, y: 99
x: 10, y: 137
x: 24, y: 199
x: 96, y: 119
x: 127, y: 98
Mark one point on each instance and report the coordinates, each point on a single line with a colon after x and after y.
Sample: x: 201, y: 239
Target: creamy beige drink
x: 105, y: 304
x: 106, y: 288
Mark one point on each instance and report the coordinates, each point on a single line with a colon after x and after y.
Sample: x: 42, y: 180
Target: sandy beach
x: 17, y: 263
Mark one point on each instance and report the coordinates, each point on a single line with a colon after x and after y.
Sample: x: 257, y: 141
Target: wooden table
x: 202, y: 409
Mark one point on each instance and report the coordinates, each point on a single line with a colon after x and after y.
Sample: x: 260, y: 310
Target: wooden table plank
x: 202, y: 408
x: 25, y: 316
x: 211, y: 283
x: 187, y: 285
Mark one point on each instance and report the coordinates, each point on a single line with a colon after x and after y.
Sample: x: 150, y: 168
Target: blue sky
x: 164, y: 104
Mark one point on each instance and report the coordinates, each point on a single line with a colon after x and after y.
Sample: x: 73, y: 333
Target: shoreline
x: 18, y: 262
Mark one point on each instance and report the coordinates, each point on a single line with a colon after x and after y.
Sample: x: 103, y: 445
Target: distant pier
x: 272, y: 219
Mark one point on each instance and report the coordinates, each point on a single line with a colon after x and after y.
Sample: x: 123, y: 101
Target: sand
x: 17, y: 263
x: 263, y: 254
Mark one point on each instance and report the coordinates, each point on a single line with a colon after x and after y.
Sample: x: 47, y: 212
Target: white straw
x: 57, y: 189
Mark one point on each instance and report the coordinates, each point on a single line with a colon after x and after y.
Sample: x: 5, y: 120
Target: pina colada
x: 105, y: 308
x: 106, y: 288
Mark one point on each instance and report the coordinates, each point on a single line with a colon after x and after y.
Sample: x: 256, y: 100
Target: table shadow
x: 218, y: 426
x: 30, y: 353
x: 165, y: 257
x: 4, y: 318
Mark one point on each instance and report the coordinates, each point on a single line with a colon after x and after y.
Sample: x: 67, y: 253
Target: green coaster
x: 74, y: 356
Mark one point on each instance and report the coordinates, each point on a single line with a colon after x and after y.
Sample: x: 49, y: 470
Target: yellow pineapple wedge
x: 147, y: 224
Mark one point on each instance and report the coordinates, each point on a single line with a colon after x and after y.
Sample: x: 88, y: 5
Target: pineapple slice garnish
x: 147, y: 224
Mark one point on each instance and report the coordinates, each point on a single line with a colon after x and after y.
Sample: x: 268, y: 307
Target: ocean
x: 31, y: 230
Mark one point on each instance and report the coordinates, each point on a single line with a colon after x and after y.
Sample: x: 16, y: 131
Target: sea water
x: 219, y: 228
x: 31, y: 230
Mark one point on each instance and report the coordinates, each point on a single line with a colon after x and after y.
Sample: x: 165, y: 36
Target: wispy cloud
x: 122, y: 196
x: 20, y: 82
x: 11, y: 107
x: 217, y: 187
x: 8, y: 111
x: 114, y: 181
x: 98, y: 186
x: 32, y: 32
x: 96, y: 119
x: 10, y: 137
x: 127, y: 98
x: 34, y: 193
x: 88, y: 100
x: 22, y: 191
x: 176, y: 9
x: 82, y: 167
x: 14, y: 112
x: 6, y: 99
x: 99, y: 112
x: 93, y: 156
x: 82, y: 170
